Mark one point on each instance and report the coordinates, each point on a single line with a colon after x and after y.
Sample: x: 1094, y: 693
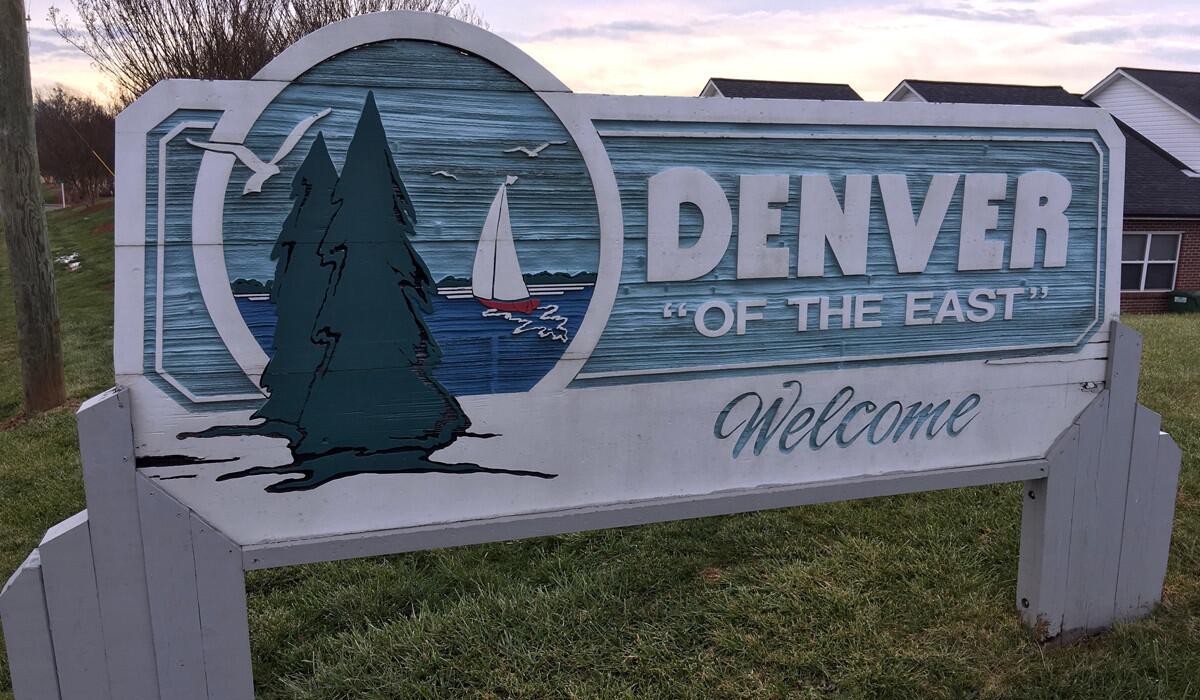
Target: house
x: 729, y: 87
x: 1161, y: 242
x: 1163, y: 105
x: 982, y: 93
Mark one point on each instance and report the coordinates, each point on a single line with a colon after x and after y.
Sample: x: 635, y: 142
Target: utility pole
x: 24, y: 221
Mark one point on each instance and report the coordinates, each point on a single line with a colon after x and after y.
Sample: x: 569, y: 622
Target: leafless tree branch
x: 140, y: 42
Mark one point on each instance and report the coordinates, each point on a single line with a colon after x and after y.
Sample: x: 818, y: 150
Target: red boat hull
x: 524, y: 306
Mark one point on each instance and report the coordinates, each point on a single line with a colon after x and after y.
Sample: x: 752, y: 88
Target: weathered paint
x: 618, y: 372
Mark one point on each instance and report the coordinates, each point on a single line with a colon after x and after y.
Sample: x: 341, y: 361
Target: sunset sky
x: 670, y: 47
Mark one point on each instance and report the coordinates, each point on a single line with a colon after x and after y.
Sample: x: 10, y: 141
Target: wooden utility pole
x: 24, y: 221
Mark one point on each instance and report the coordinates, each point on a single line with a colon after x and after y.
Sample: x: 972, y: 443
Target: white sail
x: 496, y: 273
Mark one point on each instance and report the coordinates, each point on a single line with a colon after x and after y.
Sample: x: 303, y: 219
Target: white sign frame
x: 152, y: 574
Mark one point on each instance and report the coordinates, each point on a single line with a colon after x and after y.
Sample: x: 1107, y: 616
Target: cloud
x: 969, y: 12
x: 40, y: 49
x: 1177, y: 54
x: 1105, y: 35
x: 44, y: 33
x: 1126, y: 32
x: 621, y: 29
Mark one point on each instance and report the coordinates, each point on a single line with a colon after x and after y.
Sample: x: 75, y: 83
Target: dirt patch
x: 22, y: 418
x: 102, y: 228
x: 98, y: 206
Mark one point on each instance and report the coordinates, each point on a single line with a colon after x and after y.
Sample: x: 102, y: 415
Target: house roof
x: 1155, y: 182
x: 992, y: 93
x: 731, y: 87
x: 1180, y: 87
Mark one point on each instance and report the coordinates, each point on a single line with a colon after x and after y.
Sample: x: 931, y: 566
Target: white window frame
x: 1145, y: 260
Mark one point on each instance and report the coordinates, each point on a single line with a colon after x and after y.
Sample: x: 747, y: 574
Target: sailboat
x: 496, y: 275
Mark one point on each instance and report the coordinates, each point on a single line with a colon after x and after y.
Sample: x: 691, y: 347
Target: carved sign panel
x: 405, y: 277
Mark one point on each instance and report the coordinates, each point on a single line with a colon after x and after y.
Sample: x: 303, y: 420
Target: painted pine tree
x: 298, y: 291
x: 370, y: 402
x: 376, y: 391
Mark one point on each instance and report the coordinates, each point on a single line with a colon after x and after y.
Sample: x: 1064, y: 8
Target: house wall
x: 1187, y: 274
x: 1173, y: 130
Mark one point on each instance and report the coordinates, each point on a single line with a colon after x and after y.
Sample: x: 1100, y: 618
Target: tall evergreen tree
x: 298, y: 290
x: 375, y: 390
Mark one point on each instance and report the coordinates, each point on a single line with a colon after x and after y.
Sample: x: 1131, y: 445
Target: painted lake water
x: 484, y: 351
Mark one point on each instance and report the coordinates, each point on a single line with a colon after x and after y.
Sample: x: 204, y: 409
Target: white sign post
x: 404, y: 290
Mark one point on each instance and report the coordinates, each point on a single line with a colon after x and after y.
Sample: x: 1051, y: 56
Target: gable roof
x: 1155, y: 182
x: 990, y: 93
x: 775, y: 89
x: 1180, y: 87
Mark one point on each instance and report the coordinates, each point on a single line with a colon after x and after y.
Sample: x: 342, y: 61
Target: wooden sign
x: 415, y: 280
x: 404, y: 290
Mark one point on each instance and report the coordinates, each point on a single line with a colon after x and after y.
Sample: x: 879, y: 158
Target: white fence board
x: 73, y: 607
x: 1136, y: 591
x: 171, y: 581
x: 27, y: 633
x: 220, y: 585
x: 106, y: 448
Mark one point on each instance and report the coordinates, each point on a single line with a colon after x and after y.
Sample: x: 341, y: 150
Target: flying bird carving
x: 536, y: 150
x: 262, y: 171
x: 443, y: 173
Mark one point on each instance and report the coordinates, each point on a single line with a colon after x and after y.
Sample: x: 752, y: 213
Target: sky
x: 671, y: 47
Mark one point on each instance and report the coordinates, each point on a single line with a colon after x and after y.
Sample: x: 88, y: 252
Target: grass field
x: 898, y: 597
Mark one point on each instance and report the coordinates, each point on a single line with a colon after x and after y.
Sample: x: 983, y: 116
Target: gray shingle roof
x: 1180, y: 87
x: 775, y: 89
x: 992, y: 93
x: 1155, y: 183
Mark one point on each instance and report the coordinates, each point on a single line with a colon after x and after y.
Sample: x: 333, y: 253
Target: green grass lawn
x: 899, y: 597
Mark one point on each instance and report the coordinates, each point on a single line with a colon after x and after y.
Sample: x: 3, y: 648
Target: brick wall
x: 1187, y: 274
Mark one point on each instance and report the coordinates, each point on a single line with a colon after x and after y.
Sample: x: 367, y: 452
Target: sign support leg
x: 170, y: 587
x: 106, y: 450
x: 1095, y: 531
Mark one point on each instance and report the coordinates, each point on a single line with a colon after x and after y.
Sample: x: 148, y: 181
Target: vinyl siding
x: 906, y: 94
x: 1165, y: 125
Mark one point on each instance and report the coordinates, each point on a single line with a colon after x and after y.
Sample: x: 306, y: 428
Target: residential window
x: 1148, y: 261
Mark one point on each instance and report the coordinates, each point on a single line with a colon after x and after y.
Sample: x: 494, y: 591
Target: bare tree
x: 140, y: 42
x: 75, y: 142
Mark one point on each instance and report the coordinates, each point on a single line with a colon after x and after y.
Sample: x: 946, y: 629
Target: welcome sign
x: 405, y: 277
x: 404, y: 290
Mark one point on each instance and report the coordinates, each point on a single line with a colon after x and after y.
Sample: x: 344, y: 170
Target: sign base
x: 161, y: 591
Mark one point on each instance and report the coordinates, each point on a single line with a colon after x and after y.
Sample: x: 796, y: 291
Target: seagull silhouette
x: 536, y: 150
x: 443, y: 173
x: 262, y: 171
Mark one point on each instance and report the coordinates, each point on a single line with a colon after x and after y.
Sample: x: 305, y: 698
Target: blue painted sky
x: 463, y: 131
x: 671, y: 47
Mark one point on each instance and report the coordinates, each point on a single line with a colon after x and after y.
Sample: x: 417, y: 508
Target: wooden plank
x: 1155, y: 543
x: 1137, y: 591
x: 106, y: 448
x: 220, y: 584
x: 73, y: 608
x: 1170, y: 461
x: 288, y: 553
x: 171, y: 586
x: 1084, y: 516
x: 1046, y: 534
x: 1100, y: 488
x: 27, y: 633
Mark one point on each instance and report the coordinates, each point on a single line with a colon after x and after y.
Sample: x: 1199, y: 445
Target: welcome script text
x: 749, y: 420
